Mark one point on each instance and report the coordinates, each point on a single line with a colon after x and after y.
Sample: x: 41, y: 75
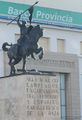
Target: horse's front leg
x: 41, y: 53
x: 32, y: 56
x: 24, y: 62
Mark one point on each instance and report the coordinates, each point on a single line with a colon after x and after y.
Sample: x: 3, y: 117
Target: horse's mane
x: 35, y: 33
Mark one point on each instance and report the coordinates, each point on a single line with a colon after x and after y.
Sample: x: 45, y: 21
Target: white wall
x: 7, y: 32
x: 72, y: 39
x: 1, y: 63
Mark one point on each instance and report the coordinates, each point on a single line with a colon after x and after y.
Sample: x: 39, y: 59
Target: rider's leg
x: 38, y: 50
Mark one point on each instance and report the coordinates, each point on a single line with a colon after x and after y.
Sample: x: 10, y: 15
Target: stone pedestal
x: 34, y: 102
x: 30, y: 97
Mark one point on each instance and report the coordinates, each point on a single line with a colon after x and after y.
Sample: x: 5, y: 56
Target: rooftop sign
x: 50, y: 16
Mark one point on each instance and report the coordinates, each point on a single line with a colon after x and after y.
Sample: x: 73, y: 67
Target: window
x: 62, y: 96
x: 44, y: 43
x: 61, y: 45
x: 81, y: 47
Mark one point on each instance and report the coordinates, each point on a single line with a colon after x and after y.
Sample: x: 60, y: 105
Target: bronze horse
x: 28, y: 46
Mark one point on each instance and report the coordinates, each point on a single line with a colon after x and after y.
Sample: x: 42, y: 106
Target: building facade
x: 62, y: 24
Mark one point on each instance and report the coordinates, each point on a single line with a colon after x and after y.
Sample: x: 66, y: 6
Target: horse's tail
x: 4, y: 46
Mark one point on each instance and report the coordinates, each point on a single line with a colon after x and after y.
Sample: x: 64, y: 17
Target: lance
x: 23, y: 13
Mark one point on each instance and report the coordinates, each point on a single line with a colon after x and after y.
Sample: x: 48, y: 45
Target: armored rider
x: 23, y: 30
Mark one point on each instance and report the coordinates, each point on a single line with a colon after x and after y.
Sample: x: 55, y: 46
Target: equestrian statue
x: 26, y: 45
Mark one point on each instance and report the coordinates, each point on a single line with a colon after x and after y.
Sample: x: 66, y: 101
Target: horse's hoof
x: 40, y: 57
x: 12, y: 74
x: 24, y: 71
